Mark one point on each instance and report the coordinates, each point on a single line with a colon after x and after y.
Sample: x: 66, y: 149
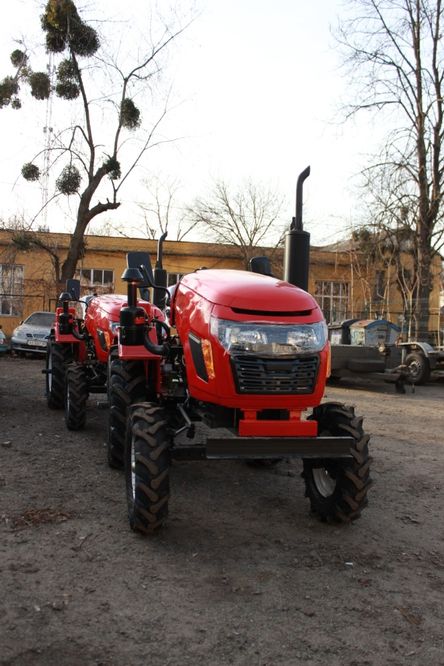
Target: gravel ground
x: 242, y: 573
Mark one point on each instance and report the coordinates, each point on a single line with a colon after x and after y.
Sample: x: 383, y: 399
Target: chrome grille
x: 37, y: 336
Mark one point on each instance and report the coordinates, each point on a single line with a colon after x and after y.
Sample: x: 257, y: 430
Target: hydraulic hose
x: 159, y: 350
x: 79, y: 336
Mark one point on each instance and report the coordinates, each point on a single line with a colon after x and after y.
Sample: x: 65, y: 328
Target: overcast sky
x: 256, y: 91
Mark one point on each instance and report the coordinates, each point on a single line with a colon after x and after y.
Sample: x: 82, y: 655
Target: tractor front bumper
x: 261, y: 448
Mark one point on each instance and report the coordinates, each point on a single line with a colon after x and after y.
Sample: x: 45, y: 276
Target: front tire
x: 337, y: 489
x: 76, y: 397
x: 126, y: 385
x: 147, y: 467
x: 57, y: 358
x: 418, y: 367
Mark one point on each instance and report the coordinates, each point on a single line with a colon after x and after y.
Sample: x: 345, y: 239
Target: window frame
x: 171, y: 281
x: 333, y: 297
x: 13, y: 297
x: 87, y: 277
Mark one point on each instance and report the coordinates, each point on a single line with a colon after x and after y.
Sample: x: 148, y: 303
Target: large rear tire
x: 337, y: 489
x: 76, y: 396
x: 126, y: 386
x: 147, y: 467
x: 57, y: 359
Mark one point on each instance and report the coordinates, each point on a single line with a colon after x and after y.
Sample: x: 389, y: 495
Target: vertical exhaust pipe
x: 160, y: 276
x: 297, y: 243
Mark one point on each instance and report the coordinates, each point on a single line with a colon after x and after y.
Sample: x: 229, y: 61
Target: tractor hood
x: 248, y: 291
x: 107, y: 304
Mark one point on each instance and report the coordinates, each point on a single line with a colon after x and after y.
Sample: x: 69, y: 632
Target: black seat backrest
x: 261, y: 265
x: 137, y: 259
x: 73, y: 289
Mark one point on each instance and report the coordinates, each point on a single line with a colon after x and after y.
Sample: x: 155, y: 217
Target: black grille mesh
x: 277, y: 376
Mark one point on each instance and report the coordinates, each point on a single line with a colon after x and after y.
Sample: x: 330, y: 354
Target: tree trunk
x: 424, y: 286
x: 84, y: 217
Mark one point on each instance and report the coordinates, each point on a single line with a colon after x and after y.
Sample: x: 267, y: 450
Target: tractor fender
x: 423, y: 348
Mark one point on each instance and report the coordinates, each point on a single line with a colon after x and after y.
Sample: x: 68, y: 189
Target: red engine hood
x: 248, y: 291
x: 108, y: 305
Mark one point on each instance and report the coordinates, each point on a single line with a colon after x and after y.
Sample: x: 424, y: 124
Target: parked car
x: 4, y: 347
x: 33, y: 333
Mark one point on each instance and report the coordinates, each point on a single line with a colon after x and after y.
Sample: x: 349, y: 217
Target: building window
x: 99, y: 280
x: 380, y: 285
x: 11, y: 290
x: 332, y: 298
x: 173, y: 278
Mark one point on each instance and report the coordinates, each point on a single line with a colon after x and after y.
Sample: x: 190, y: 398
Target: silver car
x: 32, y: 334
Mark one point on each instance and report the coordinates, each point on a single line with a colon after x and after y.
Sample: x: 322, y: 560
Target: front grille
x: 277, y: 376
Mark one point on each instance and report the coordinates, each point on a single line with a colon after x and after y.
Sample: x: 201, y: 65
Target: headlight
x: 18, y: 333
x: 269, y: 339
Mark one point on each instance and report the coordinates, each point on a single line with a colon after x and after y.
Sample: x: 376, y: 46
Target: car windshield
x: 41, y: 319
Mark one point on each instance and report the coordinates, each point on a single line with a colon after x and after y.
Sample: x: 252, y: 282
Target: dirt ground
x: 242, y: 573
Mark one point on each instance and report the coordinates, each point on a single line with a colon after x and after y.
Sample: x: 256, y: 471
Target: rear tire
x: 76, y: 397
x: 418, y: 367
x: 337, y: 489
x: 57, y: 359
x: 147, y: 467
x: 126, y: 386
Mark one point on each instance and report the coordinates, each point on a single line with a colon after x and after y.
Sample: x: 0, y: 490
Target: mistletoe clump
x: 85, y: 41
x: 18, y: 58
x: 67, y: 71
x: 67, y: 86
x: 112, y: 168
x: 30, y: 171
x: 129, y: 114
x: 67, y: 90
x: 40, y: 85
x: 8, y: 91
x: 65, y: 29
x: 69, y: 180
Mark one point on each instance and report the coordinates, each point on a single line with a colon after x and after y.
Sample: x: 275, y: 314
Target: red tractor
x: 82, y: 347
x: 78, y: 351
x: 238, y: 350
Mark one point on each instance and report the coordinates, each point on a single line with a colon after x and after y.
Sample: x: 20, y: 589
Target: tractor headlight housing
x: 269, y: 339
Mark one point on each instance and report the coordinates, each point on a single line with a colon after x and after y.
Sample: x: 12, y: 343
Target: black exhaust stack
x: 297, y: 243
x: 160, y: 276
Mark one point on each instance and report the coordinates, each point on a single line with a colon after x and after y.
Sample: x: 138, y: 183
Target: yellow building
x: 27, y: 274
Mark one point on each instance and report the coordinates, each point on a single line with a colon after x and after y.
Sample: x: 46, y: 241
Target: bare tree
x: 393, y: 251
x: 388, y: 237
x: 247, y: 217
x: 160, y: 211
x: 90, y: 168
x: 394, y: 54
